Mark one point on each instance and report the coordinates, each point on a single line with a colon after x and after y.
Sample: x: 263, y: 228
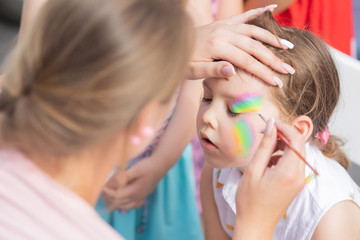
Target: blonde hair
x: 87, y: 68
x: 314, y: 89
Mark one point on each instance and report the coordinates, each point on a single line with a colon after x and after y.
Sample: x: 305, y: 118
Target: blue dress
x: 170, y: 211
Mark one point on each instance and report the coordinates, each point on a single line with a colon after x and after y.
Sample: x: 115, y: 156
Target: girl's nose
x: 209, y: 117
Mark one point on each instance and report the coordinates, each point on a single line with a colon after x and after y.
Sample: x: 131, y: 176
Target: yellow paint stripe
x: 229, y: 227
x: 218, y: 184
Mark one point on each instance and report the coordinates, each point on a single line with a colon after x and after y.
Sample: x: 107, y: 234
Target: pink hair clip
x: 323, y: 136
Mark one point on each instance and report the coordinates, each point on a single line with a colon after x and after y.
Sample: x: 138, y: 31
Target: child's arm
x: 143, y: 177
x: 228, y: 8
x: 200, y: 11
x: 342, y: 221
x: 212, y: 224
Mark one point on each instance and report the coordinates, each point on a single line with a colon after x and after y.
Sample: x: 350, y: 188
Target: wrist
x: 159, y: 164
x: 251, y: 230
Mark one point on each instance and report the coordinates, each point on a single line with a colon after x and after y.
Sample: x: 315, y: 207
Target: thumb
x: 266, y: 148
x: 133, y: 172
x: 200, y: 70
x: 117, y: 179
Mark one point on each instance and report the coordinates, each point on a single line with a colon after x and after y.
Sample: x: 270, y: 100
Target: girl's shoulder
x: 321, y: 192
x: 333, y: 182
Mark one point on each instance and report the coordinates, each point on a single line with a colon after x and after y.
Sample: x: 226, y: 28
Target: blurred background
x: 10, y: 14
x: 344, y: 124
x: 356, y: 6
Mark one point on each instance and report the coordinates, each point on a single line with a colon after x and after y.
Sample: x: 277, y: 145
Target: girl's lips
x: 206, y: 143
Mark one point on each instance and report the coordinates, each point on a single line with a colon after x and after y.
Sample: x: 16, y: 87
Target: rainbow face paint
x: 244, y: 136
x: 247, y: 102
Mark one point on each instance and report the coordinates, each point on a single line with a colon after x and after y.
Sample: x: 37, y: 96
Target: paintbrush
x: 283, y: 138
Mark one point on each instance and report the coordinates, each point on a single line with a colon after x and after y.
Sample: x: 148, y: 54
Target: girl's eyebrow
x: 205, y: 85
x: 233, y: 97
x: 229, y: 96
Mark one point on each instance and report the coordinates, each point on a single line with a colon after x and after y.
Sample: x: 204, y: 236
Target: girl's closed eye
x: 206, y: 99
x: 232, y: 113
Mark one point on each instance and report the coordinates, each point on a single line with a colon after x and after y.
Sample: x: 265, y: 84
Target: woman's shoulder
x: 34, y: 206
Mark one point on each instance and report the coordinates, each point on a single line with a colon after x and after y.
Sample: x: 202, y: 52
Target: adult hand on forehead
x: 238, y: 43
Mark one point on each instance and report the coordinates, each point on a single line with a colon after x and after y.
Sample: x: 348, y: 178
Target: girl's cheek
x: 244, y: 137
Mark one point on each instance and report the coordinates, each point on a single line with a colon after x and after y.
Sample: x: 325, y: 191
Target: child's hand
x: 141, y: 180
x: 264, y: 193
x: 234, y: 41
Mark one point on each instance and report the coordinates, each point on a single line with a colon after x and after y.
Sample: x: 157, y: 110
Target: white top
x: 332, y: 185
x: 35, y: 206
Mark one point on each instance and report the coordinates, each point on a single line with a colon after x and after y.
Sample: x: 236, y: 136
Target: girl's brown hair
x: 87, y: 68
x: 314, y: 89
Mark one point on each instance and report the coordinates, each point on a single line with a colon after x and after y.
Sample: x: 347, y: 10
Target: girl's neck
x: 242, y: 170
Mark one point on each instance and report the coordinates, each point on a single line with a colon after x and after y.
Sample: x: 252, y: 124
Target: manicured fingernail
x: 288, y: 68
x: 228, y: 71
x: 278, y: 81
x: 262, y: 130
x: 286, y: 43
x: 123, y: 211
x: 271, y: 7
x: 269, y: 127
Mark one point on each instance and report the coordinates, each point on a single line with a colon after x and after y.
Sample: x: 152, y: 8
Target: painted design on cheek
x: 244, y: 138
x: 247, y: 102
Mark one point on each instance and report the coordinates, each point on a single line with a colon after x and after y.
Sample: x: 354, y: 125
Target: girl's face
x: 228, y: 125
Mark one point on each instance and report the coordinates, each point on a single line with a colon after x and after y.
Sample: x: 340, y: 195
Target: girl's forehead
x: 241, y: 82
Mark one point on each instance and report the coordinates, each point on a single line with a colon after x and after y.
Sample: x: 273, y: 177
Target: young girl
x: 229, y: 129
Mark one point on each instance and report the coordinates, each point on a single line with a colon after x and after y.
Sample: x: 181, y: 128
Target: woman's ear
x: 149, y: 119
x: 140, y: 132
x: 304, y: 125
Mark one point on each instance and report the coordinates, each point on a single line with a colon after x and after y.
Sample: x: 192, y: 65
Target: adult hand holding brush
x: 266, y: 192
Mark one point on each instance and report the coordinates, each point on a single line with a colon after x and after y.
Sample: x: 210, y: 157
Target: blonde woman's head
x: 86, y: 70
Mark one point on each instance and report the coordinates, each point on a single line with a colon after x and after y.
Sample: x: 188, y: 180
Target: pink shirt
x: 35, y: 206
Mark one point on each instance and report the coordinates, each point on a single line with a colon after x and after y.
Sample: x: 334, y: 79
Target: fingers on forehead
x: 245, y: 61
